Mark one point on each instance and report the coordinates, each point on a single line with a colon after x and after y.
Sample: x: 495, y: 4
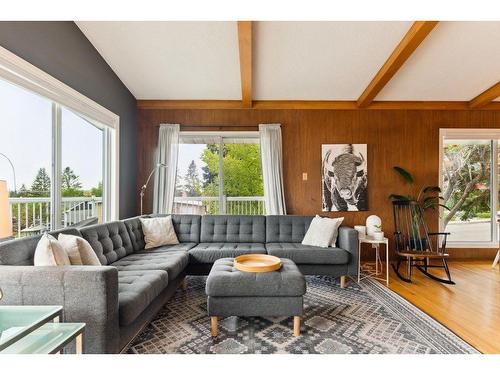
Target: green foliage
x: 41, y: 184
x: 96, y: 191
x: 192, y: 184
x: 425, y: 197
x: 466, y: 169
x: 69, y: 180
x: 403, y: 173
x: 241, y: 167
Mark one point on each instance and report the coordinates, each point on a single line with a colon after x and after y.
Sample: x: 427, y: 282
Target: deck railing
x: 216, y: 205
x: 33, y: 215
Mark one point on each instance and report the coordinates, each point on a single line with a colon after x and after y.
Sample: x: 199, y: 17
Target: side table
x: 37, y: 330
x: 378, y: 261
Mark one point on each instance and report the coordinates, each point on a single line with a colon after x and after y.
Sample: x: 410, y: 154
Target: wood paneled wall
x: 409, y: 138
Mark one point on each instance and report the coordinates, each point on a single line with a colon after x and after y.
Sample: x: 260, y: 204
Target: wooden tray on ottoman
x: 257, y: 263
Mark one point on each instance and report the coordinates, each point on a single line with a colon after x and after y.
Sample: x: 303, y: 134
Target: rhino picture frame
x: 344, y: 177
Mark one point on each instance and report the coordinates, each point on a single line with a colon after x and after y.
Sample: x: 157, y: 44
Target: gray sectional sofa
x: 117, y: 299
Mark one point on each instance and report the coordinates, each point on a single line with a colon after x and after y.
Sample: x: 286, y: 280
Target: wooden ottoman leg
x: 213, y: 326
x: 342, y: 281
x: 296, y: 325
x: 184, y: 284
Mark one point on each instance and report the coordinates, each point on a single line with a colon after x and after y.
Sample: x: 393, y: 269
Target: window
x: 58, y: 152
x: 469, y: 182
x: 219, y: 173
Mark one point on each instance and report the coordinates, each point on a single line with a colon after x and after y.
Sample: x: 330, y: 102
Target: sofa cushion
x: 225, y: 280
x: 233, y: 228
x: 304, y: 254
x: 288, y: 228
x: 187, y: 227
x: 185, y: 246
x: 136, y: 290
x: 110, y: 241
x: 211, y: 251
x: 173, y: 262
x: 134, y: 228
x: 20, y: 252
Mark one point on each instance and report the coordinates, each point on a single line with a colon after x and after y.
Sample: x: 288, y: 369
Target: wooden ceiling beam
x: 245, y: 48
x: 417, y: 33
x: 486, y: 97
x: 312, y: 104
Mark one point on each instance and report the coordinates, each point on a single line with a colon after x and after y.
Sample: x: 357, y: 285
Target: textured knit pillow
x: 49, y: 252
x: 79, y: 250
x: 158, y: 231
x: 337, y: 221
x: 322, y: 232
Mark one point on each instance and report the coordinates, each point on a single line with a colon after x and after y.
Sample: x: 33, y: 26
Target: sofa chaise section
x: 284, y: 235
x: 142, y: 276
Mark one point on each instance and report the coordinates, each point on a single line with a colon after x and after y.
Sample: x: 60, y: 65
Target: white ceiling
x: 171, y: 60
x: 320, y: 60
x: 297, y: 60
x: 457, y: 61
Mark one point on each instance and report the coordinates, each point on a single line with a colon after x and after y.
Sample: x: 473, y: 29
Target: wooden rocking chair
x: 414, y: 245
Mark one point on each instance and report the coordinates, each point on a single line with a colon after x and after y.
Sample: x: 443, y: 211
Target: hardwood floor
x: 471, y: 308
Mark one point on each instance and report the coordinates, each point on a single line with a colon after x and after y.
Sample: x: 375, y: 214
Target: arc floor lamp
x: 145, y: 186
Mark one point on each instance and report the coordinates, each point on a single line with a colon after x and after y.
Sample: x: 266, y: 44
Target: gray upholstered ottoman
x: 235, y: 293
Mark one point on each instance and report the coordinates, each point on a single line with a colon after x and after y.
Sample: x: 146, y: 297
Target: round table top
x: 369, y: 239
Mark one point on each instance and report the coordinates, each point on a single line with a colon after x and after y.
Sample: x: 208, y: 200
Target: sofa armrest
x: 88, y: 294
x: 348, y: 240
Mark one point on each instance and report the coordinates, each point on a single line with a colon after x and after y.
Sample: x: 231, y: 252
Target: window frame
x: 474, y: 134
x: 220, y: 136
x: 21, y: 73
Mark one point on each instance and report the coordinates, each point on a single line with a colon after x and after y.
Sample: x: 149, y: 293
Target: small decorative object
x: 257, y: 263
x: 378, y: 234
x: 361, y: 230
x: 373, y: 222
x: 145, y: 186
x: 344, y: 177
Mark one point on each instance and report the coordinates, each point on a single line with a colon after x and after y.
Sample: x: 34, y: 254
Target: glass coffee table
x: 37, y: 330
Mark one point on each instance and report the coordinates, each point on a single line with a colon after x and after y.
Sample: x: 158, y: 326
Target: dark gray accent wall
x: 60, y: 49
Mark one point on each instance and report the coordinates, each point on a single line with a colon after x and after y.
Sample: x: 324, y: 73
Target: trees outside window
x: 468, y: 166
x: 224, y: 177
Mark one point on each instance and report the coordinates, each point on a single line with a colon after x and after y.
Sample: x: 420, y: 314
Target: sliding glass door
x: 58, y: 164
x: 26, y: 158
x: 219, y: 173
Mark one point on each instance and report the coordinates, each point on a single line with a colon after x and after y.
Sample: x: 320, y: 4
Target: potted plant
x: 425, y: 197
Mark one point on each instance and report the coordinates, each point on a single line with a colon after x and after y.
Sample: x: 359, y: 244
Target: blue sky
x: 25, y: 137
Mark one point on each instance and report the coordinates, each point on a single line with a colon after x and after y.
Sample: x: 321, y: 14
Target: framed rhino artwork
x: 344, y: 177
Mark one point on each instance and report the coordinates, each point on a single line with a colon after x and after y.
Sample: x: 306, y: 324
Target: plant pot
x: 379, y: 236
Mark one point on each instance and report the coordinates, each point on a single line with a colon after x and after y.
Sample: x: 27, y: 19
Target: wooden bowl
x: 257, y: 263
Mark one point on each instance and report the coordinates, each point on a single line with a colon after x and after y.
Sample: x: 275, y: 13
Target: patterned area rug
x: 365, y: 318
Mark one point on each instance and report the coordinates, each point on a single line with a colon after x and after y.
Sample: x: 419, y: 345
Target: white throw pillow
x: 79, y: 250
x: 322, y: 232
x: 337, y: 221
x: 158, y: 231
x: 49, y: 252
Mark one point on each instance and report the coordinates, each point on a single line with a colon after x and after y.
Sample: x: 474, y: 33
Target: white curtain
x: 166, y: 154
x: 272, y: 168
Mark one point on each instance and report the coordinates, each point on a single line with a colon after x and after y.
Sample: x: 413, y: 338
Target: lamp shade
x: 5, y: 220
